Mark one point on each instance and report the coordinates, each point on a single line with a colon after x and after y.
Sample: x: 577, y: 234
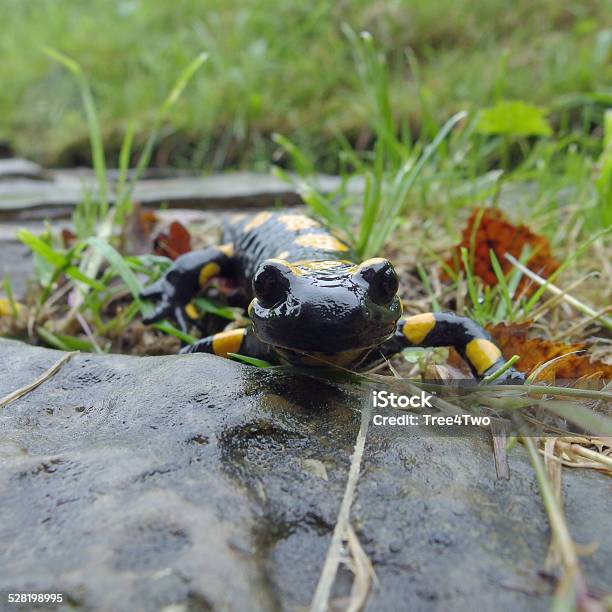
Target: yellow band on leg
x: 417, y: 327
x: 227, y: 342
x: 482, y: 354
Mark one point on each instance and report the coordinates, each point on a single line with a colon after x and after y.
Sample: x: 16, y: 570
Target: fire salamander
x: 310, y: 302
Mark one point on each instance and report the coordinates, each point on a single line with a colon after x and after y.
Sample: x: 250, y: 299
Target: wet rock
x: 25, y: 197
x: 145, y: 483
x: 14, y: 167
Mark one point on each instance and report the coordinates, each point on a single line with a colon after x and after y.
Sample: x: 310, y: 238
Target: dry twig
x: 320, y: 600
x: 35, y: 383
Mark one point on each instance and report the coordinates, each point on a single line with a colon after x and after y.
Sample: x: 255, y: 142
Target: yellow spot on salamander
x: 323, y: 263
x: 192, y: 311
x: 323, y: 242
x: 227, y: 342
x: 371, y: 262
x: 482, y: 354
x: 250, y: 308
x: 283, y: 255
x: 207, y: 272
x: 282, y: 262
x: 295, y: 223
x: 227, y: 249
x: 257, y: 220
x: 417, y: 327
x: 306, y: 267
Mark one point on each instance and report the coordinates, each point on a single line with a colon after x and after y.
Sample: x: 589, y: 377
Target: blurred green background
x: 279, y: 66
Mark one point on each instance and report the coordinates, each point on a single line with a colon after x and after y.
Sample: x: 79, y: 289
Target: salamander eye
x: 270, y: 284
x: 381, y: 279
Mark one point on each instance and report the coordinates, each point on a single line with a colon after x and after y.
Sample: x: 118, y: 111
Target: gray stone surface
x: 141, y: 483
x: 57, y: 196
x: 16, y: 167
x: 16, y: 262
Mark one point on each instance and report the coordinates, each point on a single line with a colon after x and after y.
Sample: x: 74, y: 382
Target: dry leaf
x: 513, y: 340
x: 494, y: 232
x: 172, y: 242
x: 68, y: 237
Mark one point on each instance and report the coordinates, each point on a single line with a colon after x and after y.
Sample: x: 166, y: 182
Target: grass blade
x: 504, y: 308
x: 258, y: 363
x: 93, y: 124
x: 169, y: 329
x: 8, y: 289
x: 210, y: 307
x: 40, y: 247
x: 170, y: 101
x: 118, y: 264
x: 584, y: 417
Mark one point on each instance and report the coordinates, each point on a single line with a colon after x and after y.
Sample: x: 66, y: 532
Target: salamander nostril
x: 270, y: 284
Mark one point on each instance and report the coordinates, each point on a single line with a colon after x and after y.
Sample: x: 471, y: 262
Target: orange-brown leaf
x: 68, y: 237
x: 513, y: 340
x: 488, y: 229
x: 173, y: 242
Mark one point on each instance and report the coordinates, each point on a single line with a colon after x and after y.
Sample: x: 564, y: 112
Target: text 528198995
x: 34, y: 598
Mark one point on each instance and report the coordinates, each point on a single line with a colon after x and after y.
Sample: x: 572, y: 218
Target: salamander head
x: 329, y: 308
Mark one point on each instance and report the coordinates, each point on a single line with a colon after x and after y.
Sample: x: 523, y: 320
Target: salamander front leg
x: 470, y: 340
x: 182, y: 281
x: 240, y: 340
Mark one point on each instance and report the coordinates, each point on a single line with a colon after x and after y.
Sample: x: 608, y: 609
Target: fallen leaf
x: 455, y: 368
x: 533, y: 352
x: 173, y: 242
x: 68, y: 237
x: 488, y: 229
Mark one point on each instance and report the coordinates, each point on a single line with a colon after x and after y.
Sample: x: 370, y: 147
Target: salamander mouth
x: 342, y: 359
x: 331, y: 346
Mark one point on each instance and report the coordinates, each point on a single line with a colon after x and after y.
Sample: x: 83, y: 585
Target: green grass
x: 93, y: 269
x: 278, y: 66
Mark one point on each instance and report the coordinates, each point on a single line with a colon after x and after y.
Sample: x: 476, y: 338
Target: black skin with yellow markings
x: 310, y: 303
